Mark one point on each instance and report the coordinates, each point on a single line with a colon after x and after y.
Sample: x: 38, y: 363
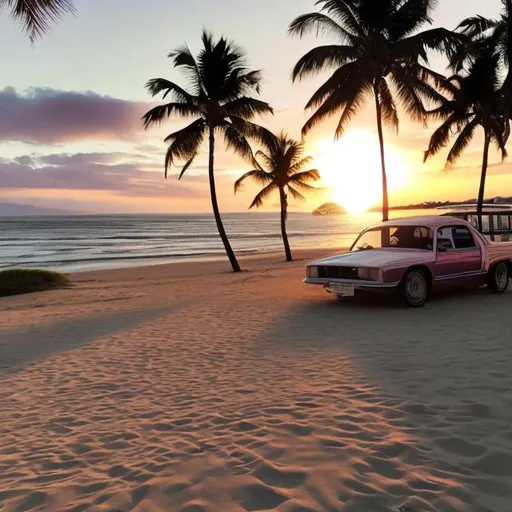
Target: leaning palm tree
x: 219, y: 85
x: 476, y: 101
x: 37, y: 16
x: 284, y: 162
x: 379, y: 47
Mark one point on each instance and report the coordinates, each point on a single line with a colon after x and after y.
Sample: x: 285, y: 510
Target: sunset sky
x: 70, y: 108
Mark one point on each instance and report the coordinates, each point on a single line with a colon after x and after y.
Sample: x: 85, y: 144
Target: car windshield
x: 399, y: 237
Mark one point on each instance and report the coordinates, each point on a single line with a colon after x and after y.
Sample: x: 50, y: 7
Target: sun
x: 351, y: 169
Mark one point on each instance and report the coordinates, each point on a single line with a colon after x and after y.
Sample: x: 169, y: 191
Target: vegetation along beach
x: 168, y: 170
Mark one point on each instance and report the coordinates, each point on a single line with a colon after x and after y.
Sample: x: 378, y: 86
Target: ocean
x: 94, y: 242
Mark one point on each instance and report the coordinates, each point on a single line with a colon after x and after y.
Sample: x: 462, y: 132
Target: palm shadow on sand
x: 22, y: 346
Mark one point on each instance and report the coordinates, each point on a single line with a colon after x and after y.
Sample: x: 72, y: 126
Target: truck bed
x: 498, y: 251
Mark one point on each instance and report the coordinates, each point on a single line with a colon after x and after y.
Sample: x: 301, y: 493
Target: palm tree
x: 493, y: 33
x: 219, y: 85
x: 475, y: 102
x: 486, y: 34
x: 379, y: 45
x: 284, y: 163
x: 37, y: 16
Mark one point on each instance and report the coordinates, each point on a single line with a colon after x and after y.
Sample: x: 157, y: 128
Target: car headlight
x: 312, y: 272
x: 369, y: 274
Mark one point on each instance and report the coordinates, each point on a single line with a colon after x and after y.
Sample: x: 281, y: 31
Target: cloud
x: 92, y: 171
x: 49, y: 116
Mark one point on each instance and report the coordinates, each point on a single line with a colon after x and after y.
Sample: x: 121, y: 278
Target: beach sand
x: 186, y: 388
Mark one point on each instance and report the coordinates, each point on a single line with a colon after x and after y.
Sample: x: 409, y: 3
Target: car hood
x: 377, y: 258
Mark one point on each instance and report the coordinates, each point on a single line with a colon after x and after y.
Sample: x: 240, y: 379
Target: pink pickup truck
x: 414, y: 256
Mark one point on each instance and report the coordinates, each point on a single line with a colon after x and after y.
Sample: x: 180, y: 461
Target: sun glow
x: 351, y: 170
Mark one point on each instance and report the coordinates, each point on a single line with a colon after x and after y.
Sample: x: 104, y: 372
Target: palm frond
x: 357, y: 95
x: 387, y: 103
x: 184, y: 168
x: 409, y: 90
x: 320, y: 24
x: 438, y: 81
x: 250, y: 81
x: 157, y: 85
x: 263, y: 194
x: 236, y: 142
x: 223, y: 70
x: 323, y: 58
x: 476, y: 25
x: 440, y: 40
x: 333, y: 104
x: 38, y: 16
x: 439, y: 139
x: 304, y: 176
x: 289, y: 152
x: 259, y: 176
x: 461, y: 143
x: 184, y: 59
x: 184, y: 144
x: 345, y: 90
x: 408, y: 16
x: 238, y: 83
x: 500, y: 145
x: 298, y: 166
x: 345, y: 13
x: 161, y: 112
x: 351, y: 72
x: 305, y: 187
x: 253, y: 131
x: 268, y: 161
x: 247, y: 108
x: 499, y: 133
x: 296, y: 194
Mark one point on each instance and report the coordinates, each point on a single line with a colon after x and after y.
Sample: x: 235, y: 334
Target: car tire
x: 414, y: 288
x: 498, y: 277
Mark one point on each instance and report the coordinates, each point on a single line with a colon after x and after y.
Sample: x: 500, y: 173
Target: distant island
x: 22, y: 210
x: 335, y: 209
x: 330, y: 209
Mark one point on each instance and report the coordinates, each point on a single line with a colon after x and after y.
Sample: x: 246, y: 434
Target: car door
x: 458, y: 256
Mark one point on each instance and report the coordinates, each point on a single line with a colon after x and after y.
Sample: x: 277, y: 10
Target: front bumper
x: 357, y: 284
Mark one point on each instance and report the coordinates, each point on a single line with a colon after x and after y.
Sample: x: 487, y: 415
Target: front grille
x: 338, y: 272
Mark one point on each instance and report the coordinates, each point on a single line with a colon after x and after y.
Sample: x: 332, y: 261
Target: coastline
x: 101, y: 242
x: 207, y: 266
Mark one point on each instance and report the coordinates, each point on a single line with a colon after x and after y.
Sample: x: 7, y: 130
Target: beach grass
x: 18, y: 281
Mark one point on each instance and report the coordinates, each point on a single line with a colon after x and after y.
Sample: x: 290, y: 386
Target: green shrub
x: 16, y: 281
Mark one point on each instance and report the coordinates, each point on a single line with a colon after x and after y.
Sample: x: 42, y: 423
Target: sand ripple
x: 255, y: 393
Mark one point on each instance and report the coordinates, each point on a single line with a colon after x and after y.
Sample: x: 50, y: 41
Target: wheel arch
x: 507, y: 262
x: 426, y: 270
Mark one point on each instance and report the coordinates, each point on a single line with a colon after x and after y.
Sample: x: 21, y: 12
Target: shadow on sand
x: 23, y: 346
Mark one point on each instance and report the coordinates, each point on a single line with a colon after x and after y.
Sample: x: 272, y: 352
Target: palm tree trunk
x: 481, y: 191
x: 284, y: 214
x: 507, y: 85
x: 215, y: 205
x: 385, y: 202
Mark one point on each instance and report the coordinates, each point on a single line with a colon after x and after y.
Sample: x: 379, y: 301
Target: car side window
x: 451, y: 238
x: 462, y: 238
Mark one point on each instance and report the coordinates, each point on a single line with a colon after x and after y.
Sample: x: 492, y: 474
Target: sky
x: 70, y: 108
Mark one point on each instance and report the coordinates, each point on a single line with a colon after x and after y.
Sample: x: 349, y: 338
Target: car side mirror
x: 440, y: 248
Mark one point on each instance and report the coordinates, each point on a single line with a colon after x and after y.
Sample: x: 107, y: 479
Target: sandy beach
x: 186, y: 388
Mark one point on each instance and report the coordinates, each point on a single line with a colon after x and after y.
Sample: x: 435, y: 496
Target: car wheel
x: 415, y: 288
x: 497, y: 277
